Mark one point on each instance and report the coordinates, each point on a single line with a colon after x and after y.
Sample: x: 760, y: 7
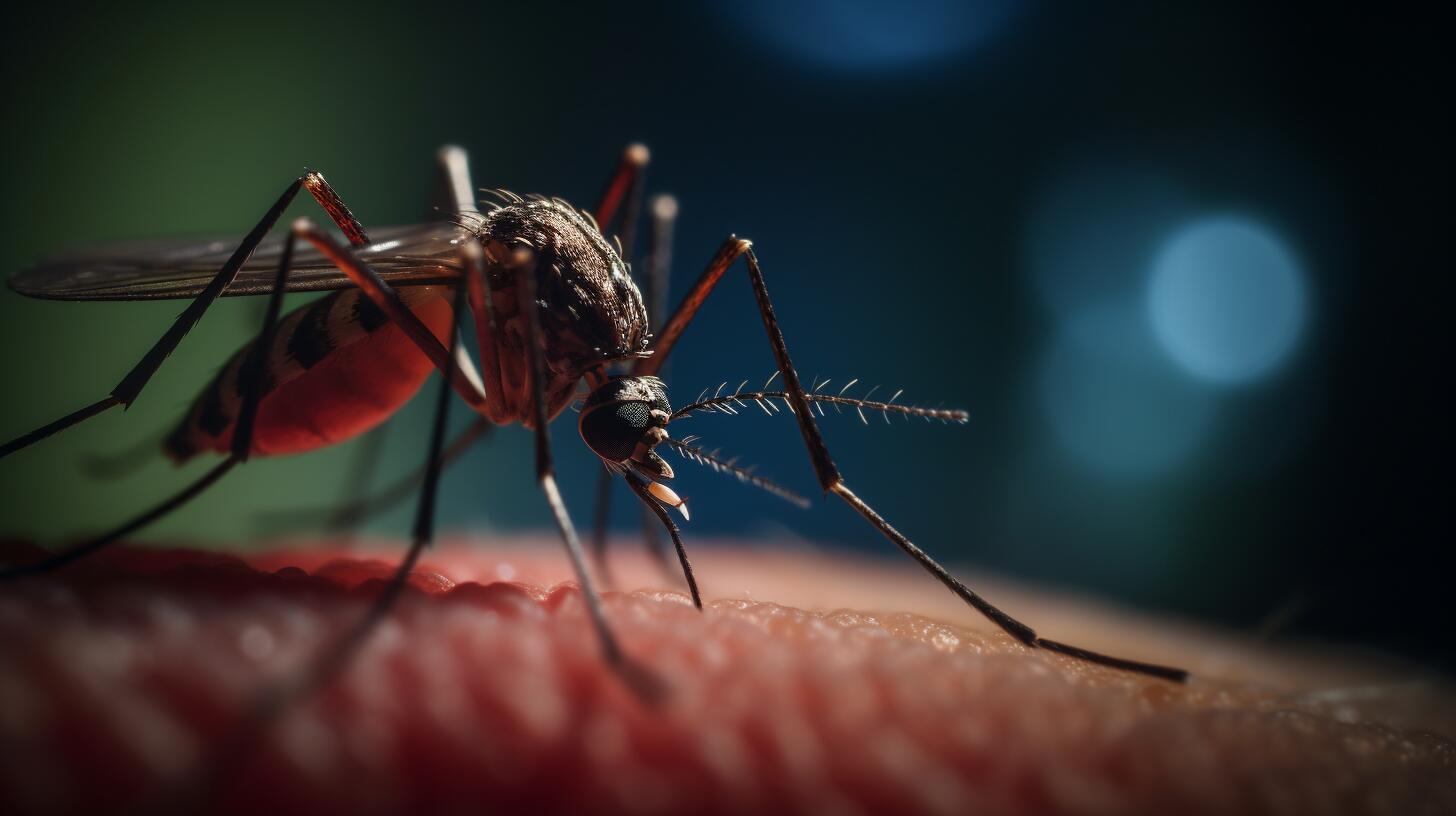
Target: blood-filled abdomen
x: 336, y: 368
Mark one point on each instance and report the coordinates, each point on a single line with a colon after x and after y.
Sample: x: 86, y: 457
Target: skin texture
x: 811, y: 684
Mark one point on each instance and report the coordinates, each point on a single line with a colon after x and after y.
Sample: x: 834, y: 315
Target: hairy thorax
x: 591, y: 312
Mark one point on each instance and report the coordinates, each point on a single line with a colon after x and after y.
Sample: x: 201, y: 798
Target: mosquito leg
x: 626, y: 184
x: 251, y: 376
x: 459, y: 198
x: 209, y: 781
x: 82, y: 550
x: 828, y: 473
x: 682, y: 553
x: 114, y: 465
x: 423, y: 533
x: 659, y: 265
x: 455, y: 174
x: 351, y: 514
x: 462, y: 375
x: 361, y: 475
x: 131, y: 385
x: 659, y: 271
x: 636, y: 677
x: 601, y: 520
x: 659, y: 257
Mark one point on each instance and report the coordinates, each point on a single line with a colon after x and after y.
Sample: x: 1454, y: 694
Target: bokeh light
x: 868, y: 35
x: 1113, y: 400
x: 1227, y: 299
x: 1094, y: 233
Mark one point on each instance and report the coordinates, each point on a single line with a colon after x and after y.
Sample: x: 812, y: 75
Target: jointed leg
x: 626, y: 185
x: 275, y: 700
x: 642, y: 682
x: 462, y: 374
x: 251, y: 376
x: 253, y: 373
x: 131, y: 385
x: 659, y: 271
x: 601, y: 521
x: 455, y: 175
x: 347, y: 516
x: 828, y: 473
x: 459, y: 199
x: 654, y: 283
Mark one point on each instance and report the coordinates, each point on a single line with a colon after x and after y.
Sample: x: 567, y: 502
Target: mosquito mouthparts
x: 665, y: 494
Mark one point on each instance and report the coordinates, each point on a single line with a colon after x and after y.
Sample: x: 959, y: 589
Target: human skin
x: 812, y: 683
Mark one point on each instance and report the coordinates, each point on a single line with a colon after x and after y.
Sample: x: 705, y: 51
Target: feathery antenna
x: 713, y: 459
x: 730, y: 403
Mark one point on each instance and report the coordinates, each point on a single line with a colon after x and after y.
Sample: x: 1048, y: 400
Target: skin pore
x: 812, y: 683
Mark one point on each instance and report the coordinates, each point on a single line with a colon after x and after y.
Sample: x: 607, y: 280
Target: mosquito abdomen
x: 336, y: 368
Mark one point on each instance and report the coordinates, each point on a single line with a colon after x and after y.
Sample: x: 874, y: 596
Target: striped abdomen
x: 337, y: 368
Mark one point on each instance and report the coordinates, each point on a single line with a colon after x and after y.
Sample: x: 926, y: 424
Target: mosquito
x: 554, y: 306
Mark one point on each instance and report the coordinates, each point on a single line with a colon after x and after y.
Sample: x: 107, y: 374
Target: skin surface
x: 811, y: 684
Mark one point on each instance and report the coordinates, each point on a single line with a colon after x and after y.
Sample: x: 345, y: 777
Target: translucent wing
x: 181, y: 268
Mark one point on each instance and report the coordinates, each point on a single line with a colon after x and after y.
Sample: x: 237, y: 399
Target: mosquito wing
x: 182, y: 268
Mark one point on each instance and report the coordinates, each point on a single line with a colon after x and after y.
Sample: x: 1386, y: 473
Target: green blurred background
x: 1182, y: 265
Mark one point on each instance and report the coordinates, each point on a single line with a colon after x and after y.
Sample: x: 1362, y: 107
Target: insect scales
x: 553, y: 305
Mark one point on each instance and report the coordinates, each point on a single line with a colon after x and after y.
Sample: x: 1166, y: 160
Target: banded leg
x: 132, y: 384
x: 828, y: 473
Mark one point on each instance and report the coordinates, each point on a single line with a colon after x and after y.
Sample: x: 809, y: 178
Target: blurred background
x: 1183, y: 264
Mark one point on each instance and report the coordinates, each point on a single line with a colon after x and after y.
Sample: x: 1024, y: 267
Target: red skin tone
x: 486, y: 696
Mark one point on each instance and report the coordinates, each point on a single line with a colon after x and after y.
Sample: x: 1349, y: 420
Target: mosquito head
x: 622, y: 421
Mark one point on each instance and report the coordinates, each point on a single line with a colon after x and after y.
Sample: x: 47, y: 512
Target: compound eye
x: 614, y: 431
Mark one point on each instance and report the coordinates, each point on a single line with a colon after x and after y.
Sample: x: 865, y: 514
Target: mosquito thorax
x: 591, y: 309
x: 623, y: 419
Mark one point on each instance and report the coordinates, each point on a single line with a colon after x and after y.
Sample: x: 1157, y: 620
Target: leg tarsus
x: 73, y: 418
x: 1010, y: 625
x: 824, y: 466
x: 79, y: 551
x: 1152, y: 669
